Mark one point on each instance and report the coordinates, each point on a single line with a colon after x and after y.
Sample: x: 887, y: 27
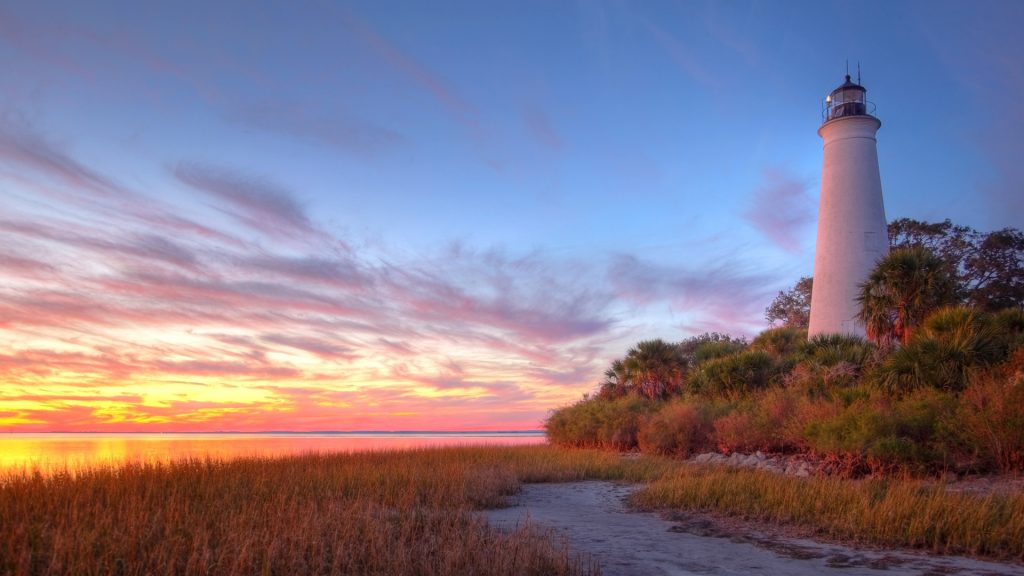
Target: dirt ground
x: 593, y: 519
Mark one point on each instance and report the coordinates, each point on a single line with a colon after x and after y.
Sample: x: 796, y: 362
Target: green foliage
x: 884, y: 435
x: 830, y: 362
x: 783, y: 342
x: 653, y: 369
x: 598, y: 423
x: 988, y: 267
x: 709, y: 346
x: 905, y: 286
x: 953, y: 343
x: 950, y: 397
x: 735, y: 374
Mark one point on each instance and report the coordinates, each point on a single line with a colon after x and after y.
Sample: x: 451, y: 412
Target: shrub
x: 990, y: 419
x: 598, y: 423
x: 952, y: 344
x: 830, y: 361
x: 782, y: 342
x: 713, y: 350
x: 879, y: 434
x: 735, y: 374
x: 763, y: 422
x: 677, y: 429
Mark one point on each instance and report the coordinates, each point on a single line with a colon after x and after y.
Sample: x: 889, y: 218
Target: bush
x: 830, y: 362
x: 763, y: 422
x: 990, y: 419
x: 879, y: 434
x: 678, y: 429
x: 782, y: 342
x: 735, y: 375
x: 953, y: 343
x: 598, y: 423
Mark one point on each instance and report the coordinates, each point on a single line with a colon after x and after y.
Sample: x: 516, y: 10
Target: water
x: 52, y: 451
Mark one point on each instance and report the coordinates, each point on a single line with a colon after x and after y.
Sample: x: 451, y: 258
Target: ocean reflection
x: 48, y: 452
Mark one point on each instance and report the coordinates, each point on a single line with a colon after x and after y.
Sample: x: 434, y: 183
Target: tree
x: 653, y: 369
x: 988, y: 267
x: 792, y: 307
x: 901, y: 291
x: 994, y: 273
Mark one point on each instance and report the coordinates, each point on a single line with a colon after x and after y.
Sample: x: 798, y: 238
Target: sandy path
x: 594, y: 520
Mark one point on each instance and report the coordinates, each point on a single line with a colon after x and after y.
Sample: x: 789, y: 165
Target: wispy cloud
x: 424, y: 77
x: 782, y: 208
x: 24, y: 148
x: 177, y: 310
x: 255, y: 201
x: 346, y: 134
x: 727, y: 296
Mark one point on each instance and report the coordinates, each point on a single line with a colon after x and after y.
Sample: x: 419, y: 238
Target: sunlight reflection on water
x: 56, y: 451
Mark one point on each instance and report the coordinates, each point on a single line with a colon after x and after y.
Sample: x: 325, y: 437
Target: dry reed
x: 414, y: 512
x: 889, y: 512
x: 409, y: 512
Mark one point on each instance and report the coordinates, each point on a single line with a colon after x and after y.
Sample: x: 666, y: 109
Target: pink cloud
x: 782, y: 208
x: 21, y: 148
x: 27, y: 267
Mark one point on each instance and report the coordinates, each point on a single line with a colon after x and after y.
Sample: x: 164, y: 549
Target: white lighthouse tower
x: 852, y: 234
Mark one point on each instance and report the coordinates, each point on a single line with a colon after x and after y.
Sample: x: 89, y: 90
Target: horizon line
x: 442, y: 432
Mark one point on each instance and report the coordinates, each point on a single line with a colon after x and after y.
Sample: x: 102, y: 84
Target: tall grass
x: 414, y: 512
x: 370, y: 513
x: 890, y: 512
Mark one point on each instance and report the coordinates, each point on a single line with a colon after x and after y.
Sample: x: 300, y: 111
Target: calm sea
x: 59, y: 450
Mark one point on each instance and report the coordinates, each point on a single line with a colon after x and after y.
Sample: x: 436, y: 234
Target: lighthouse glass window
x: 848, y: 102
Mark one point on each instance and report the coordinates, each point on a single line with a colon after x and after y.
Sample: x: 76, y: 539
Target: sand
x: 593, y: 519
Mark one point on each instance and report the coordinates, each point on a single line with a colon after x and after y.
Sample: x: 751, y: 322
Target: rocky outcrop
x: 799, y: 466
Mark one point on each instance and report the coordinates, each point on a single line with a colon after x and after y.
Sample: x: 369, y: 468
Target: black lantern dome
x: 849, y: 99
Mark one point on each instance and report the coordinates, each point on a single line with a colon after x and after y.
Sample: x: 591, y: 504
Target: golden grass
x: 887, y: 512
x: 413, y: 512
x: 382, y: 513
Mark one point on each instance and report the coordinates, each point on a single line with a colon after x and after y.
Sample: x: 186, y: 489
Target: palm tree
x: 952, y: 343
x: 654, y: 368
x: 615, y: 384
x: 901, y: 291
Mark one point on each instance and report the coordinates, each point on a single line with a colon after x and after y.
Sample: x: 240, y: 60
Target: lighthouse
x: 852, y: 235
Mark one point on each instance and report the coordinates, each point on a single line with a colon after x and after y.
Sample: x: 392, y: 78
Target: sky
x: 442, y: 215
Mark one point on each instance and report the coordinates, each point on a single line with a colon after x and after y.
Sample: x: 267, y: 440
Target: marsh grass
x: 888, y: 512
x: 415, y: 512
x: 409, y: 512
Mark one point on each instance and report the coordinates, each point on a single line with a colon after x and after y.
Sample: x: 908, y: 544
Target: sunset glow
x: 373, y: 218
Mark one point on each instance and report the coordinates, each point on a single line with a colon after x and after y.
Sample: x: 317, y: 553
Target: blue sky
x: 456, y: 205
